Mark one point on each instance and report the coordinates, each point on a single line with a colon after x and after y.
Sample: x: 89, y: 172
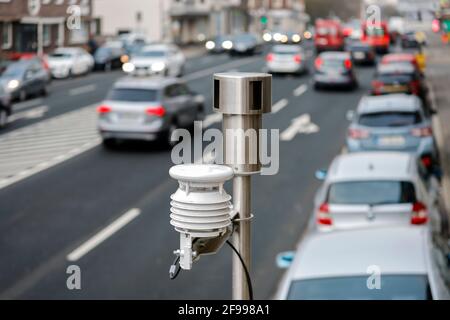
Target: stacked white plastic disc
x: 201, y: 207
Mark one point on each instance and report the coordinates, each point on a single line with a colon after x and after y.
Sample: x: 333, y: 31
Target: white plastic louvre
x: 200, y: 208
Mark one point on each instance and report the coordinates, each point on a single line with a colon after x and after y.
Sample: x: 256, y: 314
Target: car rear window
x: 326, y: 31
x: 395, y: 77
x: 152, y: 53
x: 373, y: 31
x: 133, y: 95
x: 333, y: 64
x: 392, y: 287
x: 390, y: 119
x: 371, y: 192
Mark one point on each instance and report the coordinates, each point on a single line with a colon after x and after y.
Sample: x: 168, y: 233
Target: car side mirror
x: 284, y: 259
x: 350, y: 115
x: 321, y: 174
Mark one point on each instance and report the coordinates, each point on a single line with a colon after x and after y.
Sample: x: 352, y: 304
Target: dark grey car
x: 148, y: 109
x: 24, y: 78
x: 5, y: 107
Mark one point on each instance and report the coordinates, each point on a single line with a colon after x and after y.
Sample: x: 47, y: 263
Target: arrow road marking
x: 301, y: 124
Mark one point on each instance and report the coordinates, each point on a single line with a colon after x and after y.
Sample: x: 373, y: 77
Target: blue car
x: 394, y: 122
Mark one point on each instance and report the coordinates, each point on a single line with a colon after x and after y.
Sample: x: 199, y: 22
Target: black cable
x: 175, y: 268
x: 247, y: 274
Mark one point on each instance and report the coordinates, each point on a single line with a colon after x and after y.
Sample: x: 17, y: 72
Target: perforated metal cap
x: 242, y: 93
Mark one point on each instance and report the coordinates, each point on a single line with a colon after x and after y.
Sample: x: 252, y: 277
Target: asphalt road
x: 48, y: 215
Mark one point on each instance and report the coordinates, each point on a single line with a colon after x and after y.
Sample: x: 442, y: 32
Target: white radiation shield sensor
x: 200, y: 208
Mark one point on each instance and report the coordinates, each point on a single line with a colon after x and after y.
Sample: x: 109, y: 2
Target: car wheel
x: 181, y: 72
x: 22, y: 95
x: 3, y: 118
x: 200, y: 116
x: 109, y: 143
x: 317, y: 86
x: 44, y: 91
x: 108, y: 66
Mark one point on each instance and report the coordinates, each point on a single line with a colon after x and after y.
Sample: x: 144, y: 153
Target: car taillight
x: 358, y: 134
x: 376, y: 86
x: 318, y: 63
x: 297, y: 58
x: 419, y: 213
x: 427, y: 161
x: 348, y: 64
x: 158, y: 111
x: 269, y: 57
x: 103, y: 109
x: 323, y: 215
x: 414, y: 87
x: 422, y: 132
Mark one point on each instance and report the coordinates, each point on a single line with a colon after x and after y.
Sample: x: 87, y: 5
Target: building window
x: 46, y: 35
x: 79, y: 36
x: 277, y: 4
x: 7, y: 34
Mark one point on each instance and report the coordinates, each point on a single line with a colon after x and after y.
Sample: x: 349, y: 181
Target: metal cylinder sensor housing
x: 242, y: 98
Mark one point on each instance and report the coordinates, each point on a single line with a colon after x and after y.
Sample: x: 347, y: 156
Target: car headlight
x: 158, y: 66
x: 227, y: 44
x: 284, y: 38
x: 296, y: 38
x: 267, y: 37
x: 13, y: 84
x: 277, y: 36
x: 128, y: 67
x: 210, y: 45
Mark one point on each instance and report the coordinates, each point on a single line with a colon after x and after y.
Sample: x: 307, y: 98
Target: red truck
x: 377, y: 35
x: 328, y: 36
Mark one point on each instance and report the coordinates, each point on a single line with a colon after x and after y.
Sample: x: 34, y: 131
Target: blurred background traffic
x: 91, y: 92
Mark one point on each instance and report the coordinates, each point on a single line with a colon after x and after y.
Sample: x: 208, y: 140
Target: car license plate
x: 359, y: 55
x: 130, y: 116
x: 394, y: 88
x: 391, y: 141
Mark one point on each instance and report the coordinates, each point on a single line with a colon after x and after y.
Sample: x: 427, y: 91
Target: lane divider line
x: 300, y: 90
x: 280, y: 105
x: 104, y: 234
x: 83, y: 89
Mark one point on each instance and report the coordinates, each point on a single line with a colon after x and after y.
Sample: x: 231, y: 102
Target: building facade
x: 277, y: 15
x: 39, y: 26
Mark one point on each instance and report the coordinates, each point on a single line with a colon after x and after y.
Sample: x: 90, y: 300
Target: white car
x: 393, y: 263
x: 165, y: 59
x: 373, y: 189
x: 286, y: 59
x: 66, y: 62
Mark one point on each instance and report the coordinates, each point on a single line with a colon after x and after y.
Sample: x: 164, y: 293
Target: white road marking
x: 27, y: 104
x: 300, y: 90
x: 104, y: 234
x: 83, y: 89
x: 301, y: 124
x: 223, y: 67
x: 212, y: 118
x: 279, y: 105
x: 34, y: 113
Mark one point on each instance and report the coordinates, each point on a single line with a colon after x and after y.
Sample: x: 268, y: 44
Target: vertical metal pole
x: 242, y: 235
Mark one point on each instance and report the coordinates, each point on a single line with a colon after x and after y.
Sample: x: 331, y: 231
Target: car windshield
x: 14, y: 70
x: 371, y: 192
x: 133, y: 95
x: 390, y: 119
x: 286, y: 50
x: 392, y: 287
x: 245, y: 38
x: 152, y: 53
x: 104, y: 51
x: 60, y: 55
x: 374, y: 31
x: 324, y: 31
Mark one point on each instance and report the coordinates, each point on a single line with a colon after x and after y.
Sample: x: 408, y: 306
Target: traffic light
x: 263, y: 19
